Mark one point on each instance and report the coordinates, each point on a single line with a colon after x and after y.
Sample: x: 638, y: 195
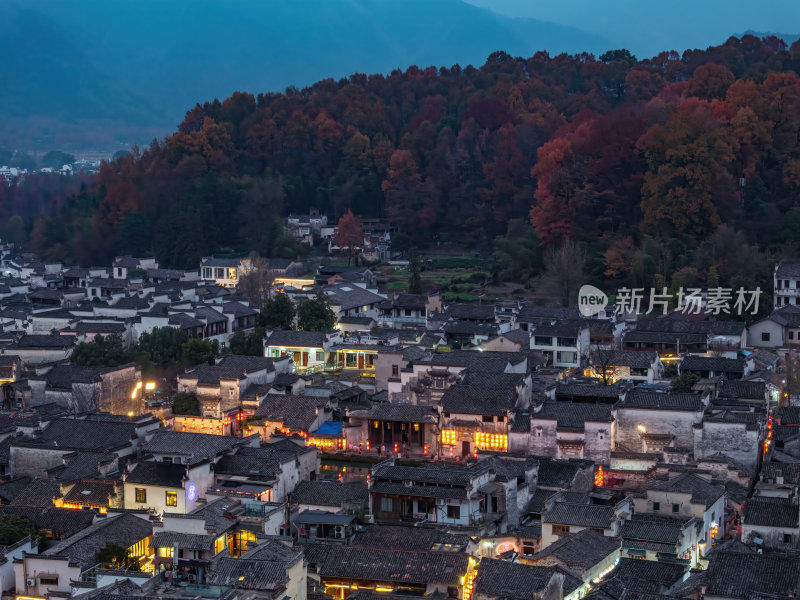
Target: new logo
x: 591, y: 300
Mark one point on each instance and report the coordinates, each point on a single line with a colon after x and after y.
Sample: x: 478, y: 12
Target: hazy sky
x: 649, y: 26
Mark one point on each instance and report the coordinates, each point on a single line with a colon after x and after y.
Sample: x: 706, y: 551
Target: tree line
x: 681, y: 165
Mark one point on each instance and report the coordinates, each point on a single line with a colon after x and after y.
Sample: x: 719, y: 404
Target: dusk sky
x: 647, y: 27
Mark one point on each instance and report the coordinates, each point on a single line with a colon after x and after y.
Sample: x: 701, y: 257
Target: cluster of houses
x: 491, y: 451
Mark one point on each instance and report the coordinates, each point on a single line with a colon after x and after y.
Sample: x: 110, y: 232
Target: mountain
x: 648, y: 27
x: 789, y: 38
x: 93, y: 71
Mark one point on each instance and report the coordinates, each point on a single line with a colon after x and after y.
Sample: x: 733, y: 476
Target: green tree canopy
x: 684, y: 383
x: 248, y: 345
x: 102, y: 351
x: 162, y: 346
x: 14, y: 528
x: 316, y: 314
x: 276, y: 313
x: 196, y: 351
x: 186, y: 403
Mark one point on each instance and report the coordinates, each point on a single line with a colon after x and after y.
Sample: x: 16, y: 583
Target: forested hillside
x: 658, y: 168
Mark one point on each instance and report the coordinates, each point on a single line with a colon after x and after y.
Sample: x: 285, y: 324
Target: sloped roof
x: 400, y: 566
x: 158, y: 474
x: 701, y: 490
x: 124, y: 530
x: 514, y: 581
x: 478, y: 400
x: 94, y: 493
x: 653, y: 528
x: 81, y: 434
x: 405, y: 413
x: 401, y: 537
x: 693, y: 362
x: 740, y: 574
x: 196, y: 446
x: 243, y: 573
x: 294, y: 412
x: 595, y: 516
x: 185, y: 541
x: 583, y: 549
x: 330, y: 493
x: 662, y: 401
x: 772, y: 512
x: 287, y: 338
x: 648, y: 576
x: 572, y: 416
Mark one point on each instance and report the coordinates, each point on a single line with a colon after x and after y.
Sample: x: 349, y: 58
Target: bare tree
x: 255, y: 284
x: 603, y: 365
x: 563, y: 273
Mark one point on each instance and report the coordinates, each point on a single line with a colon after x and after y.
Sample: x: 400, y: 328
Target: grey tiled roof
x: 399, y: 537
x: 664, y: 337
x: 743, y: 389
x: 473, y: 312
x: 196, y: 446
x: 347, y: 296
x: 10, y: 489
x: 787, y: 270
x: 30, y: 341
x: 422, y: 491
x: 286, y: 338
x: 406, y: 413
x: 158, y: 474
x: 244, y: 573
x: 636, y: 359
x: 772, y: 512
x: 572, y: 416
x: 652, y: 528
x: 662, y: 401
x: 94, y: 493
x: 546, y: 314
x: 693, y: 362
x: 583, y: 549
x: 329, y: 493
x: 124, y: 530
x: 186, y: 541
x: 648, y: 576
x: 740, y: 574
x: 514, y: 581
x: 595, y: 516
x: 212, y: 261
x: 559, y: 473
x: 435, y: 473
x: 588, y: 390
x: 400, y: 566
x: 63, y: 522
x: 701, y: 490
x: 417, y: 301
x: 295, y: 412
x: 478, y: 400
x: 80, y: 434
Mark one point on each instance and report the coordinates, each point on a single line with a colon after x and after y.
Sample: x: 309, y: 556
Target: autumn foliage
x: 628, y: 157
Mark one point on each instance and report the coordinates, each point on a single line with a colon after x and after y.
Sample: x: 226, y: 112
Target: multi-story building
x: 786, y: 284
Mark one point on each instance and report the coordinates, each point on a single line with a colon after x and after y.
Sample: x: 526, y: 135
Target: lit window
x: 172, y: 498
x: 449, y: 437
x: 141, y: 495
